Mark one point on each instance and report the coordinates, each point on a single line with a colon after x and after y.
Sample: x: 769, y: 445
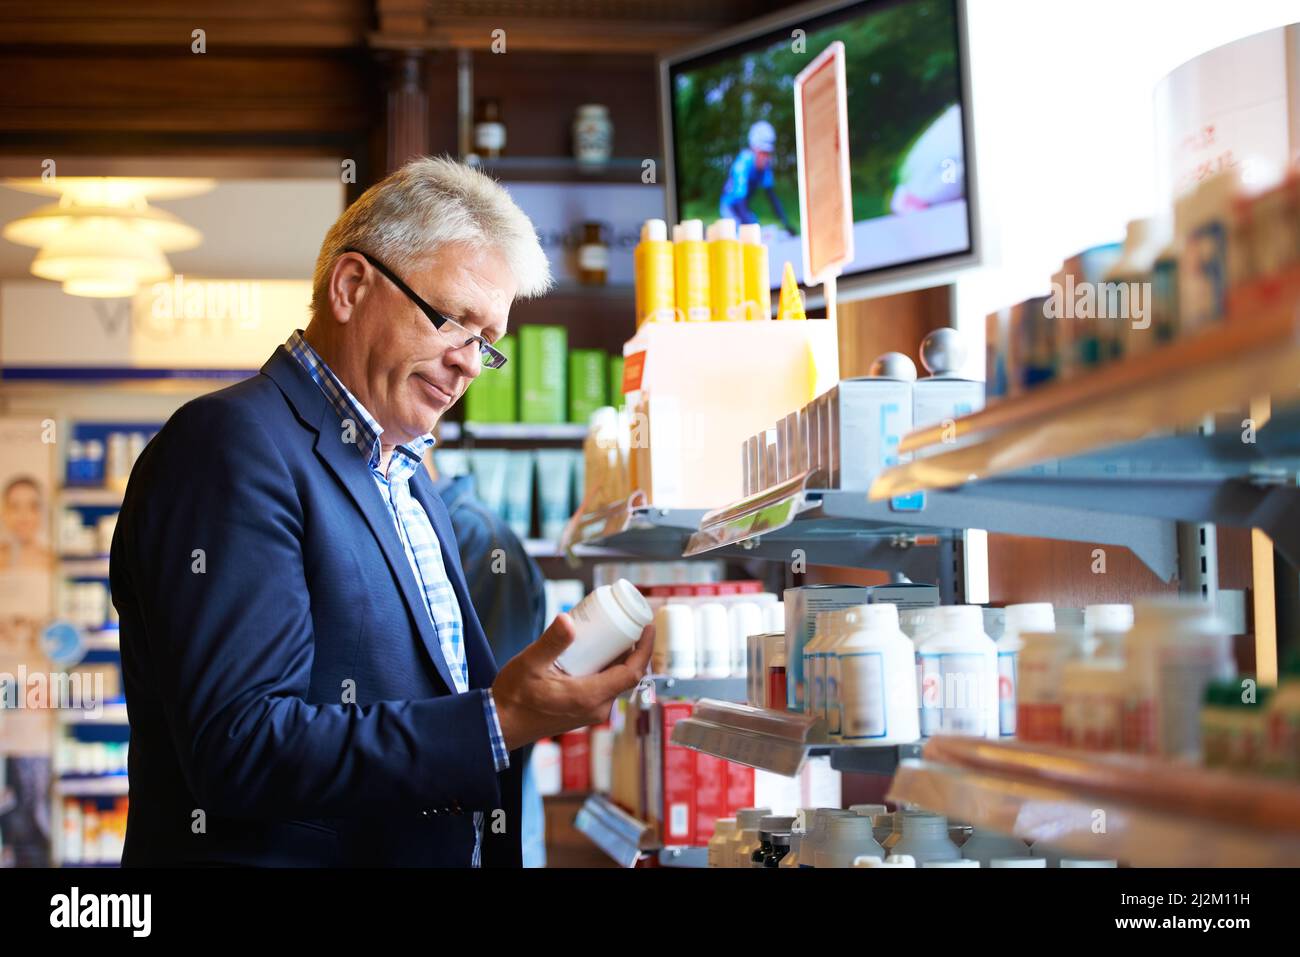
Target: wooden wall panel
x: 895, y: 323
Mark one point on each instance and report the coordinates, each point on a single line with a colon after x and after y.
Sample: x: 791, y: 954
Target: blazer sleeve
x: 210, y: 550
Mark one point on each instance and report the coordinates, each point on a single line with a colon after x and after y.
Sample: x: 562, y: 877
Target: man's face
x: 415, y: 373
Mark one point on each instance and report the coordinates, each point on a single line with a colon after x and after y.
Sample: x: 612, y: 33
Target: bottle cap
x: 1018, y: 862
x: 1108, y: 618
x: 1031, y: 616
x: 692, y: 230
x: 654, y: 230
x: 751, y: 233
x: 723, y: 229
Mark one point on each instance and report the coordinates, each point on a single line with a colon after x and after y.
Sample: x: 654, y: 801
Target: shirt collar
x: 365, y: 428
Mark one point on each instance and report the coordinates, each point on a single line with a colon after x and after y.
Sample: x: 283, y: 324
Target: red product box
x: 710, y: 794
x: 740, y: 789
x: 575, y: 760
x: 682, y: 591
x: 672, y: 783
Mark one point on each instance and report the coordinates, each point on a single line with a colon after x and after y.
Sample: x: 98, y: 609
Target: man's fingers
x: 556, y: 638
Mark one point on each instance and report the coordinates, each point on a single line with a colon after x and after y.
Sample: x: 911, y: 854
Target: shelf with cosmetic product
x: 778, y: 741
x: 1143, y: 811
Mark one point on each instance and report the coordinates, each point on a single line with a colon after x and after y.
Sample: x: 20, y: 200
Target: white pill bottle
x: 609, y: 621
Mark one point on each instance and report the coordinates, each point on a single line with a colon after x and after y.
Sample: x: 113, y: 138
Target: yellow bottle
x: 726, y: 271
x: 758, y: 280
x: 653, y: 265
x: 691, y: 267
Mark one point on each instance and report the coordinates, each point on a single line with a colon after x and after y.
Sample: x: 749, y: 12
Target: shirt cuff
x: 499, y: 753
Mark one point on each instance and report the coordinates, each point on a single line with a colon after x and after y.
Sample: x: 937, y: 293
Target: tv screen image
x: 731, y: 111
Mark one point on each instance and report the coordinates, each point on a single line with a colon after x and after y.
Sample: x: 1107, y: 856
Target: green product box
x: 616, y: 381
x: 494, y: 395
x: 542, y: 360
x: 586, y: 383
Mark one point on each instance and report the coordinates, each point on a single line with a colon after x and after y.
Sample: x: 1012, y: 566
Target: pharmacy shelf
x: 72, y: 496
x: 83, y: 567
x: 834, y: 527
x: 614, y: 831
x: 1254, y: 353
x: 113, y: 713
x: 528, y: 431
x: 721, y: 689
x: 106, y: 785
x: 632, y: 527
x: 684, y: 857
x: 777, y: 741
x: 1140, y: 811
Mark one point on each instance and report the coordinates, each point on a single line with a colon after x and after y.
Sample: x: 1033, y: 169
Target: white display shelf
x: 112, y: 714
x: 558, y: 431
x: 778, y: 741
x: 74, y: 495
x: 620, y: 835
x: 84, y: 567
x: 1139, y: 811
x: 1254, y: 353
x: 108, y: 785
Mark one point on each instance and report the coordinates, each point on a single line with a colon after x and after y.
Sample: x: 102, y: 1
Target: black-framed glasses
x: 456, y: 335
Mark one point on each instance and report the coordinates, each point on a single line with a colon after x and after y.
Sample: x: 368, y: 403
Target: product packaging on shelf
x: 575, y: 760
x: 543, y: 360
x: 670, y: 776
x: 586, y: 383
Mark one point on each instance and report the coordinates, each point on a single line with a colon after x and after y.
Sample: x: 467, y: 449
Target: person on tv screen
x: 751, y: 170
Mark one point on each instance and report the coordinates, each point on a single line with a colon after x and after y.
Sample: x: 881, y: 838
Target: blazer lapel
x: 348, y: 467
x: 478, y: 654
x: 343, y: 459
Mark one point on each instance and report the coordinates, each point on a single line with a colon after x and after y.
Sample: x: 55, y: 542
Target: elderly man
x: 306, y: 679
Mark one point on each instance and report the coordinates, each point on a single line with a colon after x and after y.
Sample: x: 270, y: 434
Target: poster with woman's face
x: 27, y: 488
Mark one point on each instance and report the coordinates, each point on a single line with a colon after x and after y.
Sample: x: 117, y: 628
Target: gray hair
x: 428, y: 203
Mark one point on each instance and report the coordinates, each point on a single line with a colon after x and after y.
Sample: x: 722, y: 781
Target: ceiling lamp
x: 102, y: 238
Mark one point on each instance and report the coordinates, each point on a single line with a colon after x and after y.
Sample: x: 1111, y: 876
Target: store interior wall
x: 1065, y: 137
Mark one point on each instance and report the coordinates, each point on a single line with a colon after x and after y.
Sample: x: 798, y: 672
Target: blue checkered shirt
x: 423, y: 551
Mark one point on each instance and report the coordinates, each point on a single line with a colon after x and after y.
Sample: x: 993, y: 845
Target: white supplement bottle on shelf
x: 1040, y: 672
x: 874, y: 696
x: 848, y: 621
x: 744, y: 618
x: 925, y: 838
x: 712, y: 641
x: 675, y: 634
x: 609, y: 622
x: 868, y: 810
x: 848, y: 838
x: 723, y: 831
x: 746, y: 840
x: 959, y: 676
x: 1104, y: 628
x: 984, y: 845
x: 1176, y: 648
x: 893, y: 860
x: 1087, y: 862
x: 1032, y: 616
x: 813, y: 675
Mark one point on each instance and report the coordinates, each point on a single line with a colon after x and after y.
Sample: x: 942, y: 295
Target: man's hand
x: 535, y: 699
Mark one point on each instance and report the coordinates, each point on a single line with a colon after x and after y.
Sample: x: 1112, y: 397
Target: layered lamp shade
x: 102, y: 238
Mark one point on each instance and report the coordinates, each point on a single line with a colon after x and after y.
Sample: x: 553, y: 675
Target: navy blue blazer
x: 288, y: 699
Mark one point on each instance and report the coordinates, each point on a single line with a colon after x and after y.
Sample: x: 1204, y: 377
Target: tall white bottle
x: 959, y: 676
x: 875, y: 697
x: 1037, y: 616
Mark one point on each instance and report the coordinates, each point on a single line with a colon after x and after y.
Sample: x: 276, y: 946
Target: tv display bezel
x: 880, y: 280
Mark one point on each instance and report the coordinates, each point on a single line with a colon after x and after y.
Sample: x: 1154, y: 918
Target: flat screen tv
x: 729, y: 134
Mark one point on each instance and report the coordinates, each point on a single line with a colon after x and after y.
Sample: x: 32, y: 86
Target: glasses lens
x: 457, y: 336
